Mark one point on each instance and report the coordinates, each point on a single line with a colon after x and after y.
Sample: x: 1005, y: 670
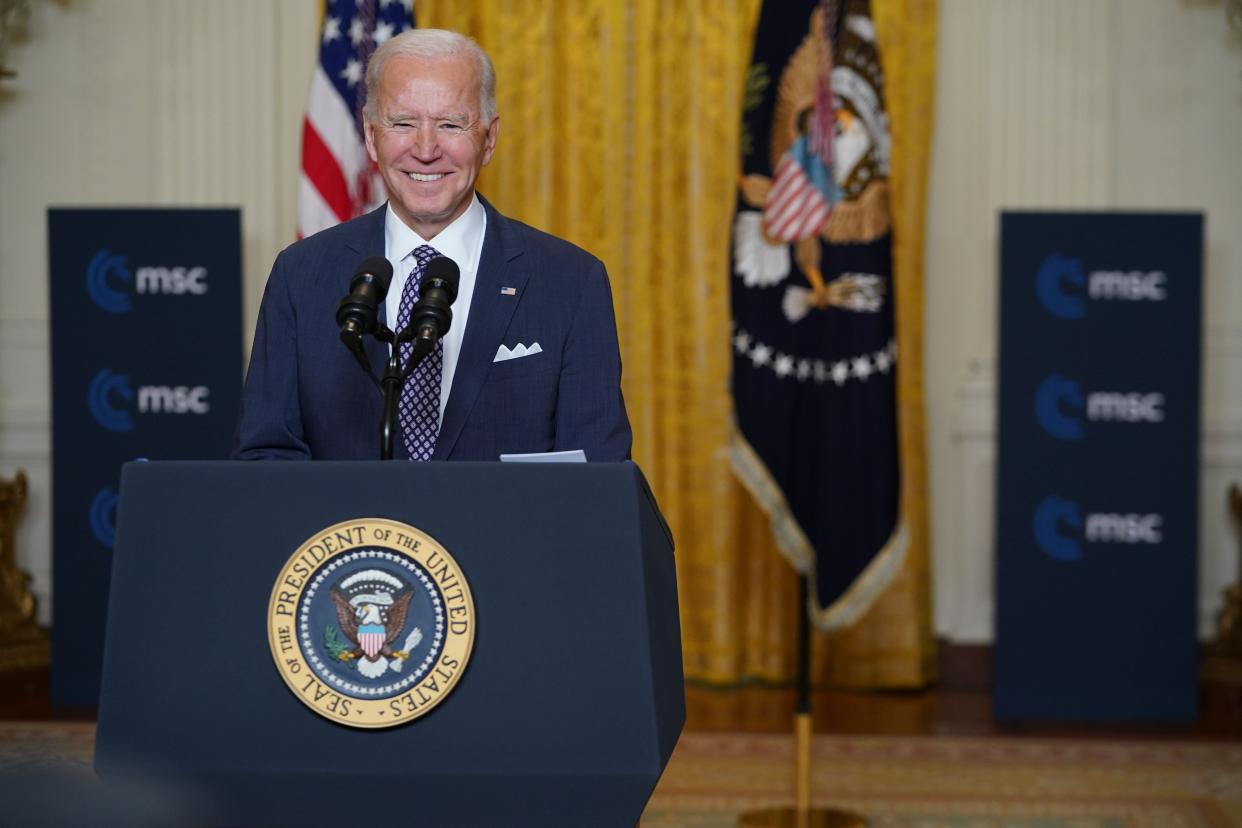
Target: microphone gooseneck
x: 430, y: 318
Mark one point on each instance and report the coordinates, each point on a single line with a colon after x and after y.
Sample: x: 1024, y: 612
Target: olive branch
x: 757, y: 81
x: 335, y: 646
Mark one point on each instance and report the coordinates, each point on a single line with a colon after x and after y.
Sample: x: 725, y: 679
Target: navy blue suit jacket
x: 306, y: 397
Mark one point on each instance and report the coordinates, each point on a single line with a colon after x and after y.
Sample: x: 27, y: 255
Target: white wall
x: 1055, y: 103
x: 1106, y: 104
x: 136, y: 103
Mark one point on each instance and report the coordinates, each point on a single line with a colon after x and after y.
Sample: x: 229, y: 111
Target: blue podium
x: 565, y: 714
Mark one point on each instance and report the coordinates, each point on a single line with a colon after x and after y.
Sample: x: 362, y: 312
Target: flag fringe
x: 794, y: 545
x: 867, y: 587
x: 753, y: 474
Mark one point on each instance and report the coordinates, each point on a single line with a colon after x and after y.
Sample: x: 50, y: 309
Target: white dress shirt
x: 461, y: 241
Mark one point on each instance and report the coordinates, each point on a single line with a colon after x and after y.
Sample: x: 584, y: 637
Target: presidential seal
x: 371, y: 623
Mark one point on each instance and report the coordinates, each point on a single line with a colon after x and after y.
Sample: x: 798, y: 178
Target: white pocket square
x: 516, y: 352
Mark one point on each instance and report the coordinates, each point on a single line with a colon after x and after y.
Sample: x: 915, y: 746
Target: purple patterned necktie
x: 419, y: 408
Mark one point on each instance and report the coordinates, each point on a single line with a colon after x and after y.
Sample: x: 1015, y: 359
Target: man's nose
x: 426, y: 143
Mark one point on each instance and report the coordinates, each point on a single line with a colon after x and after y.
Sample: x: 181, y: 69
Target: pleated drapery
x: 619, y: 132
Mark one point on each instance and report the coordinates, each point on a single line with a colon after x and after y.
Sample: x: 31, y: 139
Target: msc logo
x: 110, y: 283
x: 1061, y: 408
x: 1050, y: 516
x: 1053, y: 392
x: 1063, y: 286
x: 104, y: 293
x: 1061, y: 530
x: 109, y: 398
x: 103, y: 516
x: 112, y: 400
x: 1055, y: 275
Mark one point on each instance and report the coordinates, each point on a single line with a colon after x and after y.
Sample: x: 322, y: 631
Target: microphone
x: 431, y: 315
x: 357, y: 314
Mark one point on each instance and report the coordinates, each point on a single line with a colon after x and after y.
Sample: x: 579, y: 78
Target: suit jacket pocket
x: 525, y: 366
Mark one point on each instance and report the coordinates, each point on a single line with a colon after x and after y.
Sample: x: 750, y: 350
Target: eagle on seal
x: 372, y: 629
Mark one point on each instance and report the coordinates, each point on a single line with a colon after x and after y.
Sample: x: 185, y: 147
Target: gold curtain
x: 619, y: 131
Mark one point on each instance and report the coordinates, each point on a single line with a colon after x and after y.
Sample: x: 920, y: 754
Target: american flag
x: 796, y: 208
x: 338, y: 179
x: 803, y: 190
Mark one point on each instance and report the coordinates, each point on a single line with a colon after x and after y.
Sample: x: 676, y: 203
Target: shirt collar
x: 458, y: 241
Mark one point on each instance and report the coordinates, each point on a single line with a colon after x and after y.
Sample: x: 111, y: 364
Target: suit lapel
x: 490, y: 313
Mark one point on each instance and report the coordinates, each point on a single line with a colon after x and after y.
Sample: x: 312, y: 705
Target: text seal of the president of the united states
x: 371, y: 623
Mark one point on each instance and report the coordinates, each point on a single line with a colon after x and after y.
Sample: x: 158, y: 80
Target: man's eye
x: 451, y: 127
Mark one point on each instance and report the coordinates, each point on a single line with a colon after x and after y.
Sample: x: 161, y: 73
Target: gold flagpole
x: 802, y: 815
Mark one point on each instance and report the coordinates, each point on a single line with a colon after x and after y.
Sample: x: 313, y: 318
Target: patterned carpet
x: 907, y: 782
x: 927, y: 782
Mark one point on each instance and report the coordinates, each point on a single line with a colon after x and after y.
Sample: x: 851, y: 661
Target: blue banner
x: 1098, y: 466
x: 146, y: 363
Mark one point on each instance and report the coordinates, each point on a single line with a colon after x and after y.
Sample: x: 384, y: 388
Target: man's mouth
x: 426, y: 176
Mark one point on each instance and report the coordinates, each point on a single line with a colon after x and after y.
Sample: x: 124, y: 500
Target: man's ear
x: 489, y: 143
x: 368, y: 133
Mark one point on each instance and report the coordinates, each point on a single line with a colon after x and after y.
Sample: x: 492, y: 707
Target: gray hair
x: 433, y: 44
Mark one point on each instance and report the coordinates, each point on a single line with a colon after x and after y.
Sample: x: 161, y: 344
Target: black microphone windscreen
x: 446, y: 270
x: 381, y: 269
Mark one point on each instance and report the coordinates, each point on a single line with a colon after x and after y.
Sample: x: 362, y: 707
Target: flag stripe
x: 786, y: 226
x: 320, y: 167
x: 783, y: 180
x: 314, y: 212
x: 778, y: 210
x: 812, y: 219
x: 796, y: 204
x: 794, y: 194
x: 335, y: 122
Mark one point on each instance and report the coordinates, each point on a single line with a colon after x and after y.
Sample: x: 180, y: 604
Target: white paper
x: 574, y: 456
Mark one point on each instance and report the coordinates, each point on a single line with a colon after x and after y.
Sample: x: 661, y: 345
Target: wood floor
x: 934, y: 712
x: 959, y: 706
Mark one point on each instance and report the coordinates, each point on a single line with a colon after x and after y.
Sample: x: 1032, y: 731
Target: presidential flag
x: 814, y: 353
x: 338, y: 180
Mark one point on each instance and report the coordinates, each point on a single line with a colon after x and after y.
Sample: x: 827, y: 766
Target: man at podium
x: 529, y: 363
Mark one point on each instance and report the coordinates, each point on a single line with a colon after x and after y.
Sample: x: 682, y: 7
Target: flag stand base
x: 802, y: 815
x: 790, y: 818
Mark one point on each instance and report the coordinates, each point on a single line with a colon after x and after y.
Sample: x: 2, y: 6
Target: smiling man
x: 530, y: 362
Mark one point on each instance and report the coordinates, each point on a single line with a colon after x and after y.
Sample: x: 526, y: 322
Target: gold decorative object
x: 23, y: 644
x: 1222, y: 660
x: 802, y: 814
x: 13, y: 16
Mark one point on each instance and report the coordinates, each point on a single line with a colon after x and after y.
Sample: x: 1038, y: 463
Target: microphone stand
x: 395, y: 376
x: 429, y: 322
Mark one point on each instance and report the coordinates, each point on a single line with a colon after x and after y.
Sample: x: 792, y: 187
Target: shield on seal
x: 371, y: 639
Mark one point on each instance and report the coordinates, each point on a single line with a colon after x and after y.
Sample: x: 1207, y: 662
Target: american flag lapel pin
x: 508, y: 291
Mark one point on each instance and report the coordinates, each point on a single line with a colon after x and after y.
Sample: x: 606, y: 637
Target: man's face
x: 428, y: 139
